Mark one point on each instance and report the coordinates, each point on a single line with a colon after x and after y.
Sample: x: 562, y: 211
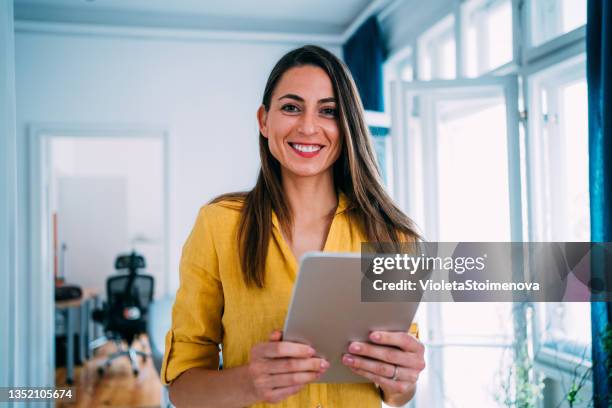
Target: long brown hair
x: 355, y: 173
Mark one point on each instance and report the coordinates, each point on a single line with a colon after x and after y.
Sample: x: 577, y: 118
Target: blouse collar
x: 343, y: 204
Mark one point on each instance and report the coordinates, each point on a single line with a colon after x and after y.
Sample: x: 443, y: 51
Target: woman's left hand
x: 393, y: 360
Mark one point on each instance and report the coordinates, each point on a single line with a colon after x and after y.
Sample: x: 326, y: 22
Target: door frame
x: 42, y: 302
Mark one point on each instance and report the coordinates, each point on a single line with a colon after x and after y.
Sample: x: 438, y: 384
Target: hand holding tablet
x: 278, y: 369
x: 393, y: 360
x: 326, y: 312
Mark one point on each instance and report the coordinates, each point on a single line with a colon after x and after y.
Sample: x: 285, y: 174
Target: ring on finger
x: 395, y: 373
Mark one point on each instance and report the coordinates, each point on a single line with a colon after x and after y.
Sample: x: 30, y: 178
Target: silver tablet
x: 326, y: 311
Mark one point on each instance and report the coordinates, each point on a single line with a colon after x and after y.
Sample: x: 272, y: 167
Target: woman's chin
x: 305, y: 171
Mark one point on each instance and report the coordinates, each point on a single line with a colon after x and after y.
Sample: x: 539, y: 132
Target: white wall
x: 8, y: 208
x: 92, y: 221
x: 139, y: 161
x: 205, y: 93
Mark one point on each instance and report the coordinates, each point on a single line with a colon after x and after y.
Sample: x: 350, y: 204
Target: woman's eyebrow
x: 325, y: 100
x: 300, y: 99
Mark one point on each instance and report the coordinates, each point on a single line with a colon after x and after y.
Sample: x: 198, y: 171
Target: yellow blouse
x: 213, y: 305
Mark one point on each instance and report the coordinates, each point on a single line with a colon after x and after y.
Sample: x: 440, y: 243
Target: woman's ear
x: 262, y: 117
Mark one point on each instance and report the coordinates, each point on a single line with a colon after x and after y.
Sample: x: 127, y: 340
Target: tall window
x: 470, y: 159
x: 559, y: 152
x: 560, y: 196
x: 464, y: 193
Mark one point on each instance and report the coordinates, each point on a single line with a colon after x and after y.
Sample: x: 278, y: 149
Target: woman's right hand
x: 278, y: 369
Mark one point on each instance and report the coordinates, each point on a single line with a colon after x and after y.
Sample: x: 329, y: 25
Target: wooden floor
x: 117, y: 387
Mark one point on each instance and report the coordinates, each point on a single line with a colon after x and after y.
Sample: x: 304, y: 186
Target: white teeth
x: 306, y: 148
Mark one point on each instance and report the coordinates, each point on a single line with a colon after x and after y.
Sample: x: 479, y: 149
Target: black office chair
x: 125, y: 312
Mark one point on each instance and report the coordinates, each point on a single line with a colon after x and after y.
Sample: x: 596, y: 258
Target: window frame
x: 532, y: 86
x: 556, y: 365
x: 402, y: 94
x: 527, y: 61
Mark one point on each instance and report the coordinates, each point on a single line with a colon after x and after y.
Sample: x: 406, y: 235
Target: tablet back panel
x: 326, y: 311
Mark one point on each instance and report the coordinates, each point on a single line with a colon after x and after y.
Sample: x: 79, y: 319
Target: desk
x: 84, y: 305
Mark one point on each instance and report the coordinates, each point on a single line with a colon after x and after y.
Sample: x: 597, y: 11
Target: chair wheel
x: 135, y: 372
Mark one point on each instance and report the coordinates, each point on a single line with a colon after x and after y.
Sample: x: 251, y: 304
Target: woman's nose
x: 307, y: 125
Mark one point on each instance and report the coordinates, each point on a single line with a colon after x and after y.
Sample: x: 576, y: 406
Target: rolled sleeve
x: 196, y: 332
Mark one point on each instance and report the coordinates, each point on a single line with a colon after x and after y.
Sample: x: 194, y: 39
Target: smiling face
x: 301, y: 124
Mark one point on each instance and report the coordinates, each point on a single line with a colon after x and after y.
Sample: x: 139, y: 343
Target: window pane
x: 406, y: 71
x: 574, y: 127
x: 483, y: 344
x: 491, y: 325
x: 552, y: 18
x: 560, y: 151
x: 468, y: 211
x: 436, y: 49
x: 472, y: 61
x: 500, y: 34
x: 488, y: 35
x: 574, y: 14
x: 382, y: 146
x: 566, y: 328
x: 447, y: 58
x: 470, y: 376
x: 425, y: 65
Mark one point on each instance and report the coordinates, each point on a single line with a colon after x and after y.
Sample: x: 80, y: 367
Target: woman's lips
x: 306, y: 150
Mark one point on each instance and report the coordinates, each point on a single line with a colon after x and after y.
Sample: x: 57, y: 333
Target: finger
x: 276, y: 335
x: 290, y: 379
x: 278, y: 394
x: 386, y: 354
x: 388, y: 384
x: 280, y: 349
x: 373, y: 366
x: 291, y: 365
x: 402, y: 340
x: 381, y: 369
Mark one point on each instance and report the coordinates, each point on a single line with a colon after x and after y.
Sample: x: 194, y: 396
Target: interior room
x: 121, y: 119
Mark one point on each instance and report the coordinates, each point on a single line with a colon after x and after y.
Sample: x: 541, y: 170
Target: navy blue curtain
x: 599, y: 77
x: 364, y: 53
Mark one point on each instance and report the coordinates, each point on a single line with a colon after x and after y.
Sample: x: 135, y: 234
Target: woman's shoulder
x: 223, y: 210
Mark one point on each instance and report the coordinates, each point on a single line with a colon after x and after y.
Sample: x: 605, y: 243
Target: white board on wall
x: 92, y: 223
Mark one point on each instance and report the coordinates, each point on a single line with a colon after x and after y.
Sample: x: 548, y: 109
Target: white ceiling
x: 331, y: 17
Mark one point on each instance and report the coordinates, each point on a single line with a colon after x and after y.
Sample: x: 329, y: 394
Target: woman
x: 318, y: 189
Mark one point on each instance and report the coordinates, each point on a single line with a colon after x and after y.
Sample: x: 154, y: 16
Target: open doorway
x: 106, y: 197
x: 95, y: 194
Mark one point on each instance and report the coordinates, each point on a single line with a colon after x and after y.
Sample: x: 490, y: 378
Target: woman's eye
x: 333, y: 112
x: 290, y: 108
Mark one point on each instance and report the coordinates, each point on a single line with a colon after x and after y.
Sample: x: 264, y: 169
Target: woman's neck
x: 310, y: 198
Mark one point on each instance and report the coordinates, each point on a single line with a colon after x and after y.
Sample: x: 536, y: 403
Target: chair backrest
x: 133, y: 290
x: 132, y: 262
